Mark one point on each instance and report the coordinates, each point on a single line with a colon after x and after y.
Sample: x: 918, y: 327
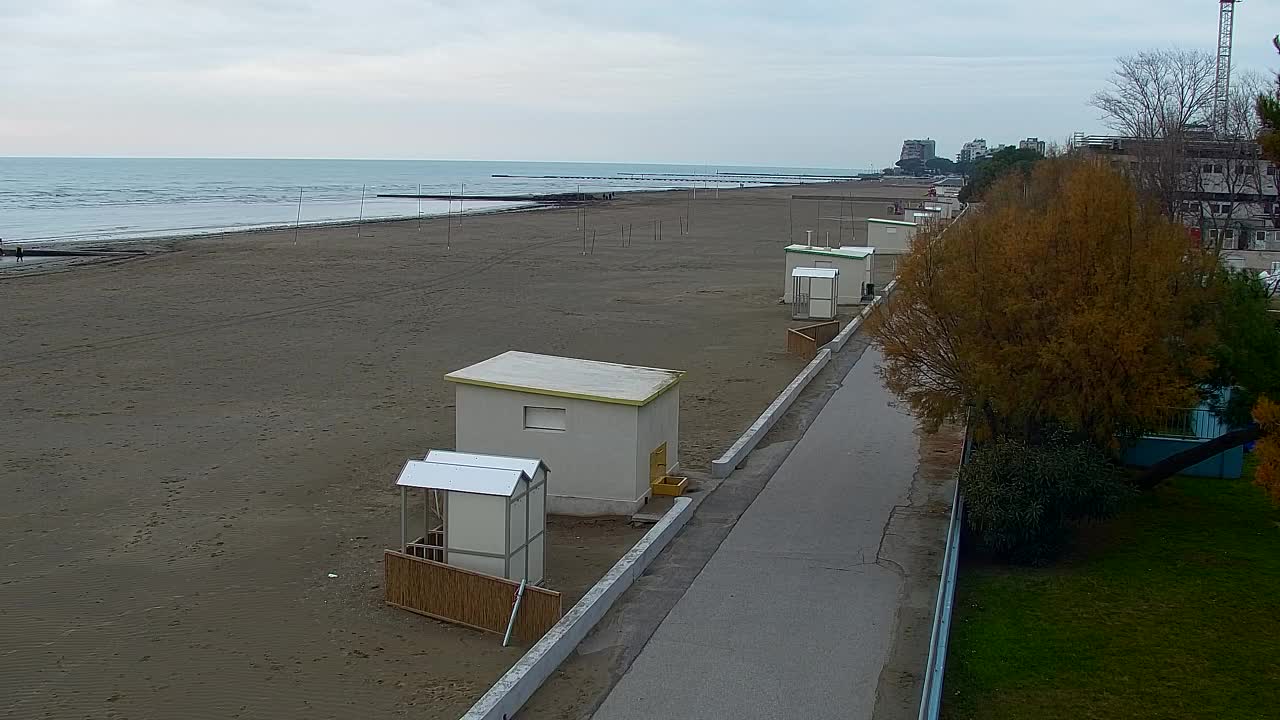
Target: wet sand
x: 193, y: 440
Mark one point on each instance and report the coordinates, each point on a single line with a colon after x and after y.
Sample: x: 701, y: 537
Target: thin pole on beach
x: 791, y: 222
x: 448, y: 237
x: 593, y: 242
x: 360, y: 220
x: 419, y: 207
x: 298, y: 222
x: 462, y: 203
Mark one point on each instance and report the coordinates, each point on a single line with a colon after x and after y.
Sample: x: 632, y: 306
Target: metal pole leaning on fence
x: 506, y: 638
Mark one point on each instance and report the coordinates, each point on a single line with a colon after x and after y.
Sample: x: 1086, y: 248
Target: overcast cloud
x: 835, y: 84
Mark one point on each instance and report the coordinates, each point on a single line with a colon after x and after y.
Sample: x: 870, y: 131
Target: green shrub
x: 1022, y: 501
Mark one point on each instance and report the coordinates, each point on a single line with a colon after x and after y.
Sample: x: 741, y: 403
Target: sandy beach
x: 195, y: 439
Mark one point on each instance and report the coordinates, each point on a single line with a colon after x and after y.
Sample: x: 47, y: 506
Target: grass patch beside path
x: 1171, y: 610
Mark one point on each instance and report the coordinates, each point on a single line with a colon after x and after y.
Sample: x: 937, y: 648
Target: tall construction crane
x: 1222, y: 81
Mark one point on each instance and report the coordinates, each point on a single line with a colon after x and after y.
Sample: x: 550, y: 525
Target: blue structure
x: 1184, y: 429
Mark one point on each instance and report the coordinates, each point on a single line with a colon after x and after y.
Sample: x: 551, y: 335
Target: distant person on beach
x: 18, y: 252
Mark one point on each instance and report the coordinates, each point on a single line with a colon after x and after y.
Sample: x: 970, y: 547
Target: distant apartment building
x: 918, y: 150
x: 972, y: 150
x: 1224, y: 190
x: 1032, y: 144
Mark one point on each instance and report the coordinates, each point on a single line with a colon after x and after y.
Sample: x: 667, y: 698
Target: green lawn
x: 1171, y: 610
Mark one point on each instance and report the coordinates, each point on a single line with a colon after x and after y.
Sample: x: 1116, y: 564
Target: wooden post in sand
x: 419, y: 207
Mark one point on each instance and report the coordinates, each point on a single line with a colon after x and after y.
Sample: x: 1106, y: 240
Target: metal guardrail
x: 936, y: 666
x: 1196, y: 423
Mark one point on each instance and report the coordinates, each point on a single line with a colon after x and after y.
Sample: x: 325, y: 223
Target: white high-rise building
x: 919, y: 149
x: 1032, y: 144
x: 972, y: 150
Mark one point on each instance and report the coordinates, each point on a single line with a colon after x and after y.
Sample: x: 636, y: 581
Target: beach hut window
x: 544, y: 418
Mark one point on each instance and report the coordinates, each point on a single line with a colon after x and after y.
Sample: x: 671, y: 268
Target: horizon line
x: 458, y: 160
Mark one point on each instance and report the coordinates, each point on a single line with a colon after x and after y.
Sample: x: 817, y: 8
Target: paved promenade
x: 797, y: 613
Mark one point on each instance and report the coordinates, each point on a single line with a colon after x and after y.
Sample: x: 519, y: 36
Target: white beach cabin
x: 813, y: 293
x: 607, y: 429
x: 493, y: 509
x: 854, y: 264
x: 890, y: 237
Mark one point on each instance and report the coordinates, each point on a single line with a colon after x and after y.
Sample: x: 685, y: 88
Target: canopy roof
x: 815, y: 272
x: 468, y: 473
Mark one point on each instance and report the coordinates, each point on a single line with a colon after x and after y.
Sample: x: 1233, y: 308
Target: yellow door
x: 658, y: 463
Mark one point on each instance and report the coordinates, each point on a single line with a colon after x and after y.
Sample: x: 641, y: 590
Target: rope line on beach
x: 432, y: 286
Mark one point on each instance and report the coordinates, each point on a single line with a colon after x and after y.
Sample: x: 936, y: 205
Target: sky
x: 749, y: 82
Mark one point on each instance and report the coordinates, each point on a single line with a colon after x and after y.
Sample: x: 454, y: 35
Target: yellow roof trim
x: 571, y: 395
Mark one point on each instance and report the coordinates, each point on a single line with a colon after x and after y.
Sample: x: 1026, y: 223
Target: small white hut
x: 813, y: 293
x: 493, y: 510
x: 609, y: 430
x: 854, y: 264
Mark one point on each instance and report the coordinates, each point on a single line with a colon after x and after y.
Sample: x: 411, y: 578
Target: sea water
x: 50, y: 200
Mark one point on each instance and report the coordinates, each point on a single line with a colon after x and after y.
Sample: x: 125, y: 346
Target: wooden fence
x: 479, y: 601
x: 805, y: 341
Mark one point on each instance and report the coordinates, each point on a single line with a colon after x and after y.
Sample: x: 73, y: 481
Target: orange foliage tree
x: 1064, y: 303
x: 1267, y: 414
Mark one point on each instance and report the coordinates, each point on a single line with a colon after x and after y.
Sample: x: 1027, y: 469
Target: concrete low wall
x: 722, y: 466
x: 725, y: 464
x: 838, y: 343
x: 524, y: 678
x: 1148, y: 451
